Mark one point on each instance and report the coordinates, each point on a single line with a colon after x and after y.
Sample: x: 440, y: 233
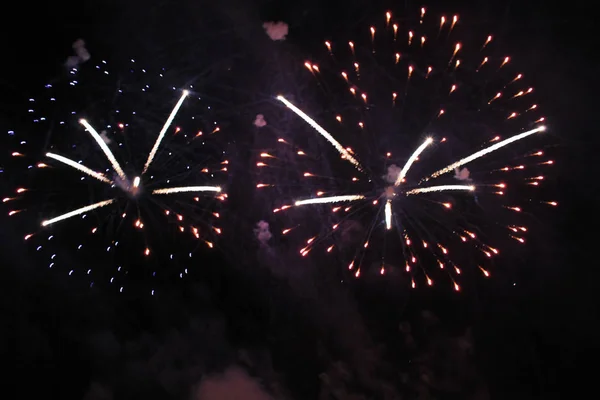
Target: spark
x: 104, y: 147
x: 440, y: 188
x: 487, y: 41
x: 329, y: 200
x: 136, y: 182
x: 184, y: 189
x: 346, y: 155
x: 454, y: 21
x: 77, y: 212
x: 486, y: 151
x: 164, y: 130
x: 411, y: 160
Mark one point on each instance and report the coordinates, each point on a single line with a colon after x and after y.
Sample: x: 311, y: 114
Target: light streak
x: 346, y: 155
x: 388, y: 214
x: 79, y: 167
x: 105, y: 149
x: 164, y: 130
x: 486, y: 151
x: 440, y: 189
x: 184, y: 189
x: 330, y: 200
x: 411, y: 160
x: 77, y: 212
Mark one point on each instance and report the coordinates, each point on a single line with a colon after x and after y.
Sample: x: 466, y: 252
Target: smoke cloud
x: 393, y: 172
x: 105, y: 137
x: 259, y: 122
x: 462, y: 174
x: 81, y: 54
x: 234, y: 384
x: 262, y: 232
x: 276, y: 30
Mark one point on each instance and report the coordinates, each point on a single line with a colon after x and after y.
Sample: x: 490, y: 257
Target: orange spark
x: 454, y: 21
x: 487, y: 41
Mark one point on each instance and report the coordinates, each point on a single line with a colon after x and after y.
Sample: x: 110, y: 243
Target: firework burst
x: 425, y: 84
x: 124, y: 188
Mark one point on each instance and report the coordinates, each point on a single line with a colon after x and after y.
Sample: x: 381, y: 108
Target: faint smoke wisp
x: 105, y: 137
x: 81, y: 54
x: 392, y: 173
x: 462, y: 174
x: 276, y: 30
x: 234, y: 384
x: 262, y: 232
x: 259, y: 122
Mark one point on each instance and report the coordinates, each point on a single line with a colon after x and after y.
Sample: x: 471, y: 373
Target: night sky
x: 243, y: 319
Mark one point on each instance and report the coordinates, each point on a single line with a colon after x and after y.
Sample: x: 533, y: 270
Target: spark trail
x: 330, y: 200
x: 439, y: 189
x: 345, y: 153
x: 79, y: 167
x: 486, y: 151
x: 163, y: 131
x: 411, y: 160
x: 184, y: 189
x: 76, y: 212
x: 105, y: 149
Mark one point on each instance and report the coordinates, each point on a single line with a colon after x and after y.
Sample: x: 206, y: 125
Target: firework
x: 154, y: 167
x: 427, y: 84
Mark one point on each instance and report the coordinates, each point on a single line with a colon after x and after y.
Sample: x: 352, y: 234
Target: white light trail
x: 77, y: 212
x: 136, y: 181
x: 346, y: 154
x: 161, y: 135
x: 105, y: 149
x: 440, y: 189
x: 411, y: 160
x: 79, y: 167
x: 329, y: 200
x: 388, y: 214
x: 184, y: 189
x: 487, y: 150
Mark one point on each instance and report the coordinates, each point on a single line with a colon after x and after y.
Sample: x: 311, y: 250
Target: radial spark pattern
x: 453, y: 97
x: 118, y: 175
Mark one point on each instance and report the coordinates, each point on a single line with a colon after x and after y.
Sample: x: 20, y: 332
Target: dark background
x: 537, y: 340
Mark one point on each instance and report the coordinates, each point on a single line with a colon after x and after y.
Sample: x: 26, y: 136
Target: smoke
x: 393, y: 172
x: 259, y: 122
x: 276, y: 30
x: 105, y: 137
x: 462, y: 174
x: 234, y: 384
x: 81, y: 54
x: 262, y: 232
